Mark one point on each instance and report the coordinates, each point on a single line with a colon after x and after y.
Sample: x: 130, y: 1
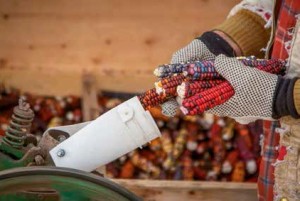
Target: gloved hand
x: 254, y: 91
x: 258, y: 95
x: 196, y: 50
x: 205, y: 47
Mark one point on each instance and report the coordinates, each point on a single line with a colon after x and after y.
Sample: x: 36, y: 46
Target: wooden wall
x: 46, y: 45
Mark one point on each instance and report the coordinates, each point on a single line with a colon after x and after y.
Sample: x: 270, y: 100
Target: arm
x: 245, y: 31
x: 225, y: 40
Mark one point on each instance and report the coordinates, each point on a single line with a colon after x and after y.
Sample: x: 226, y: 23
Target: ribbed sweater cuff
x: 296, y: 93
x: 247, y: 30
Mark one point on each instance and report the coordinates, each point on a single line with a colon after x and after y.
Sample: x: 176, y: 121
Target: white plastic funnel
x: 115, y: 133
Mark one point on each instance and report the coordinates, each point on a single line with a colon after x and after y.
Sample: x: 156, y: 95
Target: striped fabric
x: 283, y: 36
x: 269, y: 155
x: 285, y: 27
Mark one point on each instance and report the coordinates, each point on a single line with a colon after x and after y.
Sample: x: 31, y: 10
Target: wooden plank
x: 152, y: 190
x: 89, y: 93
x: 120, y: 39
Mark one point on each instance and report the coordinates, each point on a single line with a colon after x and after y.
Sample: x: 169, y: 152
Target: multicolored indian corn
x: 199, y: 84
x: 190, y: 88
x: 168, y: 85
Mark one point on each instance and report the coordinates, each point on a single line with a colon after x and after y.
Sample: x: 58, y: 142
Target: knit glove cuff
x: 285, y: 100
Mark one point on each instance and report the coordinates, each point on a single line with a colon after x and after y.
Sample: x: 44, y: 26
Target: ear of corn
x: 198, y: 83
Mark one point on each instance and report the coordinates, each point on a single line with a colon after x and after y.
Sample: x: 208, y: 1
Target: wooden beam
x: 89, y: 95
x: 90, y: 106
x: 153, y: 190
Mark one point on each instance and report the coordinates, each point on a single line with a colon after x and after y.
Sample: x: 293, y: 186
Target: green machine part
x: 19, y: 149
x: 59, y: 184
x: 9, y: 158
x: 15, y: 149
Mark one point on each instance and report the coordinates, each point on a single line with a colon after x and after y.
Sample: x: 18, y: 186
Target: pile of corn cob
x: 197, y: 84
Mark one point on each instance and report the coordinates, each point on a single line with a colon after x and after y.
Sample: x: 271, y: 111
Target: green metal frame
x: 69, y: 184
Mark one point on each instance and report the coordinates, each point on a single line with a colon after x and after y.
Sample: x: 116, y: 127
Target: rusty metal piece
x: 30, y: 140
x: 49, y: 140
x: 18, y: 147
x: 20, y: 125
x: 61, y: 138
x: 39, y: 160
x: 33, y: 154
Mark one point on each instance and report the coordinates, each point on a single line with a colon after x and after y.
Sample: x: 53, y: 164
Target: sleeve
x: 248, y: 25
x: 260, y: 7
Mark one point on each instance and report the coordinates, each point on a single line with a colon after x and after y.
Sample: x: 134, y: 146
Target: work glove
x: 205, y: 47
x: 258, y: 94
x: 254, y: 91
x: 195, y: 51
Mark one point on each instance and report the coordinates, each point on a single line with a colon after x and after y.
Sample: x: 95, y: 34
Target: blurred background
x: 53, y: 52
x: 46, y: 45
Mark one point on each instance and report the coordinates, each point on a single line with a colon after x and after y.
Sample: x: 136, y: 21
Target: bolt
x: 61, y: 138
x: 61, y: 153
x: 39, y: 160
